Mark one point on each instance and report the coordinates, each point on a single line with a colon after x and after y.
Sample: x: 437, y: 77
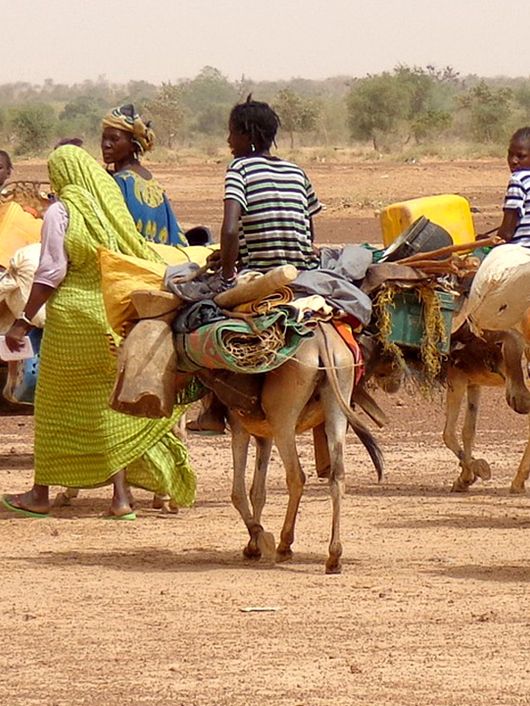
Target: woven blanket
x: 240, y: 346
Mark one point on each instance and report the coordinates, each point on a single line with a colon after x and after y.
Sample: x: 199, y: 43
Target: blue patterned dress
x: 150, y: 208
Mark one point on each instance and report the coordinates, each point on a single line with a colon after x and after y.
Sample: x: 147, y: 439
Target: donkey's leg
x: 295, y: 478
x: 285, y: 394
x: 258, y: 494
x: 478, y: 467
x: 517, y: 394
x: 518, y: 483
x: 336, y: 427
x: 240, y: 443
x: 457, y: 386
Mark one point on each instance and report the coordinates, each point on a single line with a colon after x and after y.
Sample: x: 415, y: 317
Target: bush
x: 32, y: 127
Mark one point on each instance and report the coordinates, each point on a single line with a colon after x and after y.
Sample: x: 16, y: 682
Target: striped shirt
x: 277, y: 202
x: 518, y: 198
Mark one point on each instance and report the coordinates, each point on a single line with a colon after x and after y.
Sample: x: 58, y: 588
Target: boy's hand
x: 214, y: 260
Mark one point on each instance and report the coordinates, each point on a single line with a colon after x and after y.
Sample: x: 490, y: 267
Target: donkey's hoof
x: 252, y: 551
x: 267, y: 545
x: 517, y: 489
x: 284, y: 555
x: 519, y: 403
x: 333, y: 566
x: 460, y: 486
x: 481, y: 468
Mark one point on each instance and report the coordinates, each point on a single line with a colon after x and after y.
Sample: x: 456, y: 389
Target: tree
x: 82, y: 116
x: 377, y: 105
x: 413, y: 101
x: 297, y: 114
x: 522, y: 98
x: 489, y: 110
x: 430, y: 122
x: 33, y: 126
x: 429, y: 93
x: 208, y: 99
x: 166, y: 109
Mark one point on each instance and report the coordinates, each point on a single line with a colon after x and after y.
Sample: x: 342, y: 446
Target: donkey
x: 307, y: 391
x: 494, y: 360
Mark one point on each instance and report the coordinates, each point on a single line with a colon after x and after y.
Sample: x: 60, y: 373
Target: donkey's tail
x: 363, y: 433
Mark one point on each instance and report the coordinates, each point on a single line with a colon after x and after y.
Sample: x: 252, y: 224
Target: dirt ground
x: 429, y: 608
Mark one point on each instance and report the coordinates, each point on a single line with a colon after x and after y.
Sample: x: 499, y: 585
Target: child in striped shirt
x: 515, y: 227
x: 269, y: 203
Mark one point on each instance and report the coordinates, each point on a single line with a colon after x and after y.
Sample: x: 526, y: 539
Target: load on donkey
x: 273, y: 356
x: 283, y: 363
x: 487, y: 354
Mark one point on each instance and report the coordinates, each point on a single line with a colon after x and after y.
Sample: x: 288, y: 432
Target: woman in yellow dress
x: 79, y: 441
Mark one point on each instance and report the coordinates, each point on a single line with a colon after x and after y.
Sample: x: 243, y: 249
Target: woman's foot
x: 120, y: 507
x: 34, y: 502
x: 211, y: 419
x: 164, y: 504
x: 120, y: 512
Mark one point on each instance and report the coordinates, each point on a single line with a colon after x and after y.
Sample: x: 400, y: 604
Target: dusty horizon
x: 281, y: 40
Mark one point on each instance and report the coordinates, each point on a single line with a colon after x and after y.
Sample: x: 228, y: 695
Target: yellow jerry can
x: 450, y: 211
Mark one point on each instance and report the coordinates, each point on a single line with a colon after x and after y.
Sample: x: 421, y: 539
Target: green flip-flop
x: 128, y: 516
x: 22, y: 511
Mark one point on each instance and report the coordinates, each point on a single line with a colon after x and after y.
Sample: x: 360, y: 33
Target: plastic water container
x: 450, y: 211
x: 17, y: 229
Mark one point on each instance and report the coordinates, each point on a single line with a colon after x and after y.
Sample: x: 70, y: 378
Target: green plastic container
x: 407, y: 319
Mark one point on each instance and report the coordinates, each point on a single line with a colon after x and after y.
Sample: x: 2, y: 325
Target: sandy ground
x: 429, y: 608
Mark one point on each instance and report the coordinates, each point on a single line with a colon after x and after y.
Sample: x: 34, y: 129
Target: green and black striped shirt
x: 277, y: 202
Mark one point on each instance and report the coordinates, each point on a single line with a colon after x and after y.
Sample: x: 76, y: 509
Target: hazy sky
x: 157, y: 40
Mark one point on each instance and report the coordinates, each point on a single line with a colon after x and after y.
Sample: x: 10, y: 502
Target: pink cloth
x: 53, y: 261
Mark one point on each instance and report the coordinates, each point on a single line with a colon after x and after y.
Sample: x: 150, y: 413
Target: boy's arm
x: 230, y: 238
x: 509, y: 224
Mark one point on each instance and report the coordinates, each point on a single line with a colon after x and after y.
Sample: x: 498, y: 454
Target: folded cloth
x: 312, y: 305
x: 345, y: 331
x: 195, y: 315
x: 235, y: 345
x: 283, y: 295
x: 334, y: 280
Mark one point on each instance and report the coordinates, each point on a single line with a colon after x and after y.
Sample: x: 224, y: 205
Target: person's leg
x: 211, y: 419
x: 121, y: 497
x: 35, y: 500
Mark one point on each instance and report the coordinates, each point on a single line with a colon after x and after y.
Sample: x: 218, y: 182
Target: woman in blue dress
x: 125, y: 138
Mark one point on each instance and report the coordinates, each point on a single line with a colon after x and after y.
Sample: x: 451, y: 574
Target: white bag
x: 500, y: 293
x: 15, y: 286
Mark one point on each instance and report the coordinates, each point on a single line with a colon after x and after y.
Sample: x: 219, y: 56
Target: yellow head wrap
x: 126, y: 118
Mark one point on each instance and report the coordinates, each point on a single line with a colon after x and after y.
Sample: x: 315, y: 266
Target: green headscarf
x: 93, y: 199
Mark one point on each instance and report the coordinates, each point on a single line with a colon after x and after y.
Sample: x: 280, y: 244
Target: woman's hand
x: 15, y: 335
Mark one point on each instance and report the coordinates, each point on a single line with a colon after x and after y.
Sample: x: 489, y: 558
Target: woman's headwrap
x: 126, y: 118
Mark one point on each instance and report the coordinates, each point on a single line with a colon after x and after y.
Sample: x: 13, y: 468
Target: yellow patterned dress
x: 79, y: 440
